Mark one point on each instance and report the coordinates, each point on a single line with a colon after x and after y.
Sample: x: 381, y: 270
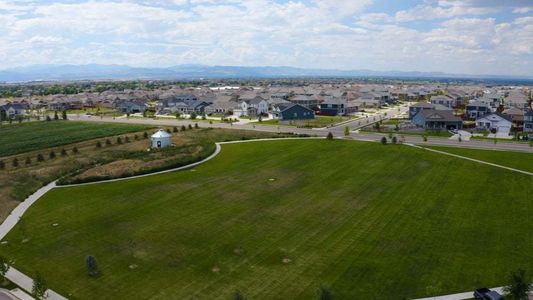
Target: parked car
x: 486, y: 294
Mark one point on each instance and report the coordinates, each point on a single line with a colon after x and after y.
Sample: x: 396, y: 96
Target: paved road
x: 336, y: 131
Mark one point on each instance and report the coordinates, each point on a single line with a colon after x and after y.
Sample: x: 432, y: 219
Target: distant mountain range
x: 117, y: 72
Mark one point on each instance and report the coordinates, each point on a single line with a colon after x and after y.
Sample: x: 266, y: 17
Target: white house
x: 161, y: 139
x: 496, y: 123
x: 254, y: 106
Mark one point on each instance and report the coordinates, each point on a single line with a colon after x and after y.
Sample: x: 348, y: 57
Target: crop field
x: 279, y: 220
x: 20, y: 138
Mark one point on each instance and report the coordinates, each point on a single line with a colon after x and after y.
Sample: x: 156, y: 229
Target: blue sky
x: 455, y: 36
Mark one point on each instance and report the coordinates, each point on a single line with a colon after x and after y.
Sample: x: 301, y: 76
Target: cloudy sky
x: 456, y: 36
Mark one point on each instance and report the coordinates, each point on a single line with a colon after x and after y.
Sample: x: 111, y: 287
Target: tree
x: 92, y: 267
x: 193, y: 115
x: 98, y: 144
x: 48, y: 118
x: 175, y: 129
x: 40, y: 157
x: 4, y: 267
x: 260, y: 119
x: 394, y: 140
x: 177, y: 115
x: 190, y: 126
x: 28, y: 160
x: 52, y: 154
x: 384, y: 140
x: 64, y: 115
x: 145, y: 135
x: 108, y: 142
x: 2, y: 165
x: 346, y: 130
x: 56, y: 117
x: 519, y: 286
x: 75, y: 150
x: 330, y: 136
x: 204, y: 117
x: 39, y: 288
x: 324, y: 294
x: 196, y: 125
x: 183, y: 128
x: 15, y: 162
x: 119, y: 140
x: 376, y: 126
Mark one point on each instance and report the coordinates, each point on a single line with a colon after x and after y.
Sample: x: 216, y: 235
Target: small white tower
x: 161, y: 139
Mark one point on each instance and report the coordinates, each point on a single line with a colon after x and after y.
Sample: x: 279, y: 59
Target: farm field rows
x: 20, y: 138
x: 278, y: 220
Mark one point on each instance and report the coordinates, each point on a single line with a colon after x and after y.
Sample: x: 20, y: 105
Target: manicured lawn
x: 364, y: 220
x: 30, y: 136
x: 517, y: 160
x: 317, y: 122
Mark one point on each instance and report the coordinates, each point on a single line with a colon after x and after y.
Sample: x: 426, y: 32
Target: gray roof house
x: 415, y: 108
x: 333, y: 106
x: 476, y: 109
x: 496, y: 123
x: 437, y: 119
x: 443, y: 100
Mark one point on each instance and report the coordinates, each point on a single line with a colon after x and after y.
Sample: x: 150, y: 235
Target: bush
x: 346, y: 130
x: 183, y: 128
x: 190, y: 126
x: 2, y: 165
x: 329, y: 136
x: 193, y: 115
x: 15, y: 162
x: 145, y: 135
x: 175, y: 129
x: 75, y: 150
x: 136, y: 137
x: 52, y: 154
x: 168, y: 131
x: 108, y: 142
x: 63, y: 152
x: 425, y: 138
x: 119, y: 140
x: 98, y: 144
x: 40, y: 157
x: 196, y: 125
x: 394, y: 140
x: 28, y: 160
x: 384, y: 140
x: 519, y: 286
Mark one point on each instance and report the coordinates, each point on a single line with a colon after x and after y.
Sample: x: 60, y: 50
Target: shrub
x: 519, y: 286
x: 183, y: 128
x: 39, y: 287
x: 127, y: 139
x: 175, y: 129
x: 168, y: 131
x: 324, y: 294
x: 119, y: 140
x: 346, y: 130
x: 384, y: 140
x: 4, y: 267
x: 196, y: 125
x: 425, y: 138
x: 108, y: 142
x: 190, y: 126
x: 394, y: 140
x: 2, y: 165
x: 329, y: 136
x: 52, y: 154
x: 28, y: 160
x: 75, y: 150
x: 98, y: 144
x: 136, y: 137
x: 15, y: 162
x: 145, y: 135
x: 238, y: 296
x: 47, y: 118
x: 40, y: 157
x: 193, y: 115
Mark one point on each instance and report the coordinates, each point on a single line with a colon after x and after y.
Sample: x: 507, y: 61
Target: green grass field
x: 365, y: 221
x: 30, y: 136
x: 517, y: 160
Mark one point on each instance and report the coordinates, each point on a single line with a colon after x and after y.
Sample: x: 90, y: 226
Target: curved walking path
x: 11, y: 221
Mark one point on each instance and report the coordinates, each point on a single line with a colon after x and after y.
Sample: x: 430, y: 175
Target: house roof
x: 513, y: 111
x: 505, y: 117
x: 439, y: 115
x: 423, y: 105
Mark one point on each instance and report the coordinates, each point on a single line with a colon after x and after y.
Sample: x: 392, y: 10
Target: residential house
x: 15, y: 110
x: 437, y: 120
x: 516, y: 99
x: 495, y: 123
x: 476, y: 109
x: 310, y: 101
x: 292, y: 112
x: 254, y: 107
x: 443, y: 100
x: 528, y: 121
x: 333, y: 106
x: 415, y: 108
x: 516, y: 115
x: 131, y: 107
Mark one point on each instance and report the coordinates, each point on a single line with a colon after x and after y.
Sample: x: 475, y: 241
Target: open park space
x: 279, y: 220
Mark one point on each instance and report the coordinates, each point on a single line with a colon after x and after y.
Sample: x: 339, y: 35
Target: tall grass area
x: 279, y: 220
x: 20, y: 138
